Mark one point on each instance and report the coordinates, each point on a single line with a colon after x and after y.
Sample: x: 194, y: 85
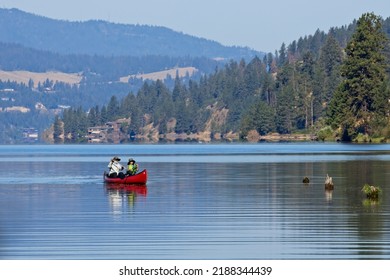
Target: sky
x: 262, y: 25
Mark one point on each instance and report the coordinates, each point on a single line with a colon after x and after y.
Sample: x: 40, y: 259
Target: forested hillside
x: 330, y: 85
x: 334, y: 85
x: 105, y: 57
x: 99, y: 78
x: 98, y: 68
x: 108, y: 39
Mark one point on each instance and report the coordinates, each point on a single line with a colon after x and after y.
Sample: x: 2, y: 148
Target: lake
x: 202, y: 201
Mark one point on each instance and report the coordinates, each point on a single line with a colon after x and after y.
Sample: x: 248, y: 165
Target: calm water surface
x: 201, y: 202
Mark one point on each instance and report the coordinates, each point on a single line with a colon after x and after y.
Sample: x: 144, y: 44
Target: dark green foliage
x: 75, y: 125
x: 260, y: 117
x: 113, y: 109
x: 361, y: 102
x: 284, y: 110
x: 58, y: 131
x: 328, y: 72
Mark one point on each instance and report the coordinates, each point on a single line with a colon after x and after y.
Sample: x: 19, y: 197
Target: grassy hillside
x: 26, y: 76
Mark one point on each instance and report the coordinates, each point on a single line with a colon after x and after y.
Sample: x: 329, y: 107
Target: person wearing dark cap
x: 115, y: 168
x: 132, y: 167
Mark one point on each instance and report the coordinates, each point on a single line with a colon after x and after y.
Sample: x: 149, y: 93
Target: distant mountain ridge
x: 97, y: 37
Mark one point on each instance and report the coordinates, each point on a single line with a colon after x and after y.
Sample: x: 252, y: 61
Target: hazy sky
x: 259, y: 24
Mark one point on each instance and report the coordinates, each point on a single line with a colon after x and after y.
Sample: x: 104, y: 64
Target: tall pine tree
x: 360, y: 104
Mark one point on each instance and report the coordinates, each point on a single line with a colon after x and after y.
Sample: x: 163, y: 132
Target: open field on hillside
x: 25, y: 76
x: 161, y: 75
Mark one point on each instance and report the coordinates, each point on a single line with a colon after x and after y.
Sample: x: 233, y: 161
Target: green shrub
x: 371, y: 191
x: 325, y: 133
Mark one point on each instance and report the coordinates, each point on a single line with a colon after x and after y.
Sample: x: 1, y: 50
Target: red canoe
x: 139, y: 178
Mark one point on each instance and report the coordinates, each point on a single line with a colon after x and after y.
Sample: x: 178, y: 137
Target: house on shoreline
x: 110, y: 132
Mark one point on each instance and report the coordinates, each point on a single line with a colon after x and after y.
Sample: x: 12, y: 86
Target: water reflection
x: 247, y: 202
x: 329, y: 196
x: 123, y: 197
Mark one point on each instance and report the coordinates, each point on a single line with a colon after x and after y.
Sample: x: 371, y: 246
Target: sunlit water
x: 201, y: 202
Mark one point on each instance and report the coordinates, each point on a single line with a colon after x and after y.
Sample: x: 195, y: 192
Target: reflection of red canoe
x: 139, y: 178
x: 128, y: 188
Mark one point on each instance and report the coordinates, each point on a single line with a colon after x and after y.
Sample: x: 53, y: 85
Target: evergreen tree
x: 113, y: 108
x: 360, y: 104
x: 282, y: 58
x: 58, y: 130
x: 260, y: 117
x: 329, y: 68
x: 164, y: 108
x: 103, y: 115
x: 93, y: 119
x: 283, y: 112
x: 179, y: 95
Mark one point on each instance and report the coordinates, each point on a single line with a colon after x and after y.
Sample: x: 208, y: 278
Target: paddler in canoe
x: 115, y: 168
x: 132, y: 167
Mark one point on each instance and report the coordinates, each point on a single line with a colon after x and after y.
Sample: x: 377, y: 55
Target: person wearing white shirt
x: 115, y: 168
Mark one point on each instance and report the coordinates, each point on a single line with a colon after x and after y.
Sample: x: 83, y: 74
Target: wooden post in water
x: 329, y: 183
